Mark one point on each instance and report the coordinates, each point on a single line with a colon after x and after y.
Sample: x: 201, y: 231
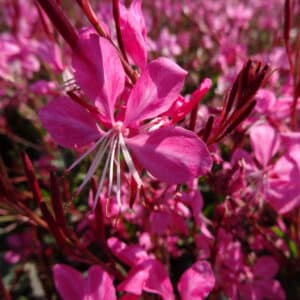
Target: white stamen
x: 114, y: 141
x: 86, y: 153
x: 103, y: 175
x: 95, y: 163
x: 119, y: 174
x: 129, y: 162
x: 154, y: 124
x: 111, y: 166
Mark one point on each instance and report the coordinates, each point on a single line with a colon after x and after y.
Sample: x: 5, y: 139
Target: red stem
x: 57, y: 203
x: 116, y: 13
x: 31, y: 178
x: 99, y: 218
x: 90, y: 14
x: 60, y: 21
x: 48, y: 29
x: 193, y: 118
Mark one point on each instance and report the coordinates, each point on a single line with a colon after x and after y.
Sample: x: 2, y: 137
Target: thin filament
x: 86, y: 153
x: 118, y: 174
x: 95, y: 163
x: 103, y: 175
x: 129, y: 162
x: 111, y: 166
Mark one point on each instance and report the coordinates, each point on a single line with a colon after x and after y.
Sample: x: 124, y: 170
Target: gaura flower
x: 197, y: 281
x: 171, y: 154
x: 134, y: 32
x: 98, y: 285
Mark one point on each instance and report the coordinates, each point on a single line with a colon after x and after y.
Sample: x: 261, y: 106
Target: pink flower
x: 171, y: 154
x: 264, y: 141
x: 72, y: 286
x: 241, y: 281
x: 196, y: 282
x: 146, y: 273
x: 129, y: 255
x: 284, y: 190
x: 261, y: 285
x: 149, y: 276
x: 134, y: 32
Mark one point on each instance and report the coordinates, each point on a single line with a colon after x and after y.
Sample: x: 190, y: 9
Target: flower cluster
x: 149, y: 150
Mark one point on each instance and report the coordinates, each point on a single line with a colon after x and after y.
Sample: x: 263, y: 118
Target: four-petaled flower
x: 124, y: 124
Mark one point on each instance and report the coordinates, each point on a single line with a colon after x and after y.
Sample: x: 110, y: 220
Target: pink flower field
x: 149, y: 150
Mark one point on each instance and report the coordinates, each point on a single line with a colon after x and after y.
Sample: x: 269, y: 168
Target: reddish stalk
x: 293, y: 61
x: 57, y: 203
x: 133, y: 192
x: 99, y: 218
x: 90, y: 14
x: 296, y: 83
x: 14, y: 204
x: 116, y: 13
x: 16, y: 16
x: 286, y: 30
x: 48, y: 29
x: 193, y: 118
x: 60, y: 21
x: 35, y: 188
x: 207, y: 130
x: 238, y: 103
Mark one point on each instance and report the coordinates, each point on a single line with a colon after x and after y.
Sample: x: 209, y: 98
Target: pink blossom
x: 284, y: 191
x: 130, y: 255
x: 264, y: 141
x: 182, y: 106
x: 196, y: 282
x: 149, y: 276
x: 261, y: 284
x: 168, y: 44
x: 240, y: 280
x: 157, y: 150
x: 71, y: 285
x: 134, y: 32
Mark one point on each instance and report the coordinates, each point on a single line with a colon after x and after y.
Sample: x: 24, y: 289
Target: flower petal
x: 265, y: 267
x: 155, y: 91
x: 264, y: 141
x: 99, y: 72
x: 99, y: 285
x: 69, y: 282
x: 181, y: 107
x: 130, y: 255
x: 68, y: 123
x: 171, y: 154
x: 196, y: 282
x: 149, y: 276
x: 133, y: 30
